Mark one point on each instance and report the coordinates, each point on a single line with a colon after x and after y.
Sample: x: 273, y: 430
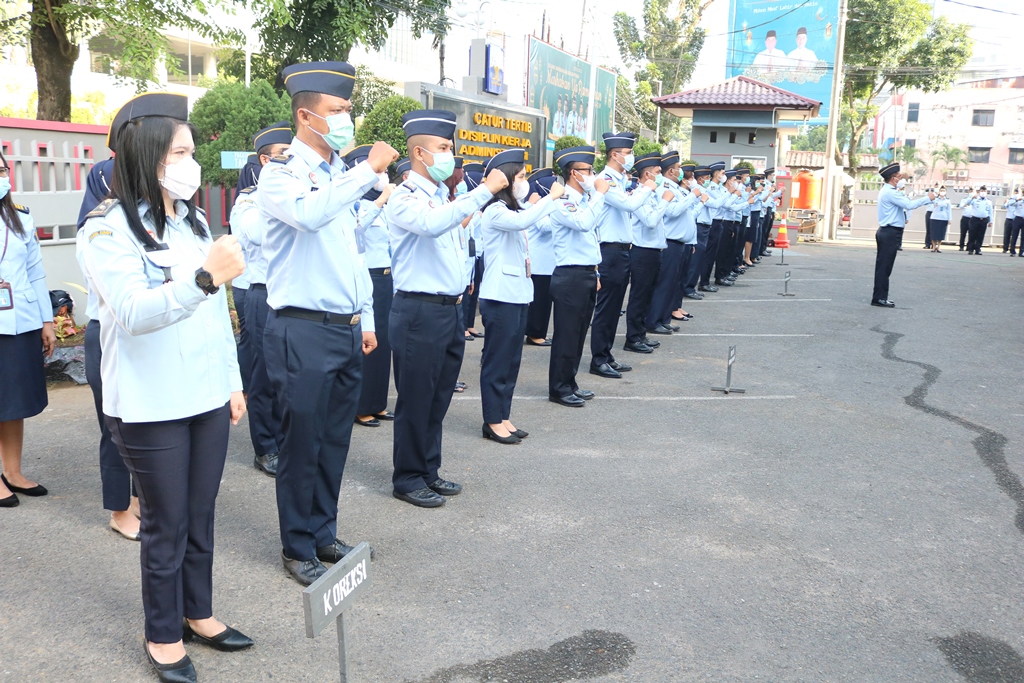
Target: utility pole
x: 833, y: 187
x: 657, y: 133
x: 583, y: 20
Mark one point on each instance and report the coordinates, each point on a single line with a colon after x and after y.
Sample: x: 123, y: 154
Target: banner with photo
x: 790, y: 45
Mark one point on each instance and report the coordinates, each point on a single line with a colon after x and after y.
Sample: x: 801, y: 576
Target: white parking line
x: 759, y: 301
x: 730, y: 397
x: 723, y: 334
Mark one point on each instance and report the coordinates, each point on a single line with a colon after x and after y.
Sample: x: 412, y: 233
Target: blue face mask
x: 746, y: 181
x: 461, y: 188
x: 5, y: 187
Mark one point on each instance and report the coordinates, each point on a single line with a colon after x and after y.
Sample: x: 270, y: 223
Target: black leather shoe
x: 443, y: 487
x: 675, y: 328
x: 521, y: 433
x: 638, y: 347
x: 489, y: 433
x: 386, y: 415
x: 267, y: 464
x: 180, y: 671
x: 585, y: 394
x: 650, y: 342
x: 35, y: 491
x: 478, y: 335
x: 660, y: 329
x: 333, y: 554
x: 723, y: 283
x: 10, y: 501
x: 572, y: 400
x: 228, y: 640
x: 423, y: 498
x: 695, y: 295
x: 605, y: 370
x: 620, y: 367
x: 708, y: 288
x: 304, y: 571
x: 530, y: 342
x: 883, y: 303
x: 372, y: 422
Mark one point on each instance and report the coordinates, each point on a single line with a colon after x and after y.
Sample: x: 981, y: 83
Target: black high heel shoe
x: 520, y: 433
x: 488, y: 433
x: 180, y: 671
x: 228, y: 640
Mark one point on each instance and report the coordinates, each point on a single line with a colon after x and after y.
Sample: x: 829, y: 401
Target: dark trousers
x: 685, y: 268
x: 927, y: 229
x: 1018, y: 231
x: 707, y: 262
x: 694, y: 270
x: 469, y: 301
x: 502, y: 355
x: 264, y: 409
x: 614, y: 269
x: 316, y: 371
x: 888, y: 240
x: 667, y: 291
x: 373, y: 397
x: 539, y: 315
x: 115, y: 478
x: 766, y: 229
x: 177, y: 466
x: 977, y: 233
x: 1007, y: 229
x: 644, y: 266
x: 965, y: 228
x: 741, y: 240
x: 245, y: 339
x: 574, y: 293
x: 428, y: 342
x: 726, y: 259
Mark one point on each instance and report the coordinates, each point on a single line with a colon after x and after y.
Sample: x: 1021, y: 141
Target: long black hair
x: 507, y: 194
x: 142, y: 146
x: 8, y: 213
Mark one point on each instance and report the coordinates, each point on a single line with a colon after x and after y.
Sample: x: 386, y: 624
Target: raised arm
x: 500, y: 217
x: 408, y: 212
x: 583, y: 219
x: 286, y: 196
x: 246, y: 222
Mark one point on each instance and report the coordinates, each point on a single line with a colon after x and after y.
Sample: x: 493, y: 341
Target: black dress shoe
x: 304, y: 571
x: 443, y: 487
x: 585, y: 394
x: 620, y: 367
x: 372, y: 422
x: 695, y: 295
x: 708, y: 288
x: 35, y: 491
x: 423, y: 498
x: 180, y: 671
x: 883, y: 303
x: 723, y: 283
x: 572, y: 400
x: 650, y: 342
x: 675, y: 328
x: 605, y: 370
x: 10, y: 501
x: 228, y: 640
x: 386, y: 415
x: 637, y: 347
x: 478, y: 335
x: 521, y: 433
x: 530, y: 342
x: 489, y: 433
x: 660, y: 329
x: 267, y: 464
x: 333, y: 554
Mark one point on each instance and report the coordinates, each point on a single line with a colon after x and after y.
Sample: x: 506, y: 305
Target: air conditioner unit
x: 962, y: 174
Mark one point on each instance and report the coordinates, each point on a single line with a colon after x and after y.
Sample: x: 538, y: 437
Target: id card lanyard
x: 6, y: 294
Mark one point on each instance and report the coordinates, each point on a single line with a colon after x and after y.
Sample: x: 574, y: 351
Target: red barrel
x: 806, y: 191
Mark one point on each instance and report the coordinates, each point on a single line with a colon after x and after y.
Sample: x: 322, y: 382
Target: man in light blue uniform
x: 982, y: 213
x: 542, y: 263
x: 892, y: 217
x: 966, y: 215
x: 428, y: 264
x: 322, y: 321
x: 247, y: 225
x: 716, y: 218
x: 1010, y: 204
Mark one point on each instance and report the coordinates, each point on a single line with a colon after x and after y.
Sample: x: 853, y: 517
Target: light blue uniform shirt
x: 758, y: 207
x: 428, y: 250
x: 370, y: 219
x: 716, y: 198
x: 506, y: 250
x: 892, y: 205
x: 574, y: 228
x: 745, y: 209
x: 965, y: 204
x: 733, y: 207
x: 614, y: 223
x: 247, y: 225
x: 92, y: 302
x: 773, y: 199
x: 681, y: 215
x: 542, y: 247
x: 648, y: 222
x: 168, y: 349
x: 22, y: 268
x: 1011, y: 208
x: 310, y: 244
x: 981, y: 208
x: 941, y: 209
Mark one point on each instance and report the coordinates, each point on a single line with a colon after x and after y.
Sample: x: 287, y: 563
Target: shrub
x: 565, y: 142
x: 385, y: 123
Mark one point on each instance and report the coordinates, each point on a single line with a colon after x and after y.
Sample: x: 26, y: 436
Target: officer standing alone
x: 892, y: 217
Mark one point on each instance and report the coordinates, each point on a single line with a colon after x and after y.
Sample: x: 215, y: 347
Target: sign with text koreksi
x: 335, y: 591
x: 788, y: 44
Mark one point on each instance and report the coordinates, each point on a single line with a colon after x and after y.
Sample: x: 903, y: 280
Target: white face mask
x: 983, y: 194
x: 627, y: 163
x: 901, y: 184
x: 521, y: 190
x: 181, y: 180
x: 382, y: 182
x: 588, y: 182
x: 942, y: 193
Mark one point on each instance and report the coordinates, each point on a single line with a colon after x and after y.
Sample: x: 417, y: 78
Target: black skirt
x: 22, y: 376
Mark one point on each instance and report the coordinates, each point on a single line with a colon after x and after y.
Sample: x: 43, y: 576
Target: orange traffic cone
x: 782, y: 239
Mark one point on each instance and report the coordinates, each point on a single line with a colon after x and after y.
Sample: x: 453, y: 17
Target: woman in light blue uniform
x: 476, y: 261
x: 26, y: 334
x: 171, y: 385
x: 506, y: 290
x: 939, y: 221
x: 542, y: 263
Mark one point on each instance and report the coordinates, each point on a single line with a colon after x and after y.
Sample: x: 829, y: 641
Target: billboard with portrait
x: 560, y: 85
x: 791, y: 45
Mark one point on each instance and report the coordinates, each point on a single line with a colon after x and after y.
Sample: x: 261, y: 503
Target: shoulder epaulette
x: 281, y: 158
x: 248, y: 190
x: 23, y: 209
x: 103, y: 208
x: 409, y: 186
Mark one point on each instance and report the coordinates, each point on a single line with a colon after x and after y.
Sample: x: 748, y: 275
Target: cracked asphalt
x: 852, y: 517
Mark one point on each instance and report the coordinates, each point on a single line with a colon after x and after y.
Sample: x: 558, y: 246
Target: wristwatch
x: 205, y: 282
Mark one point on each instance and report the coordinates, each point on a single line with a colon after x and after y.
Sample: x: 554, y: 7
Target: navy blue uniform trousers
x: 644, y: 266
x: 245, y: 339
x: 469, y: 301
x: 977, y: 233
x: 540, y: 308
x: 115, y: 478
x: 428, y: 341
x: 373, y: 399
x: 1018, y: 231
x: 726, y: 260
x: 711, y: 251
x: 177, y: 466
x: 503, y: 354
x: 574, y: 292
x: 316, y: 370
x: 264, y: 409
x: 694, y: 270
x: 888, y: 240
x: 667, y: 290
x: 615, y: 270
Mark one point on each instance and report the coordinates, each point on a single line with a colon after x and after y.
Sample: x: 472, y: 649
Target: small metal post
x: 342, y: 650
x: 728, y: 375
x: 782, y: 262
x: 785, y: 286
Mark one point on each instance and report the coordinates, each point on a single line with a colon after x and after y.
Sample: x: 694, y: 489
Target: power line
x: 988, y: 9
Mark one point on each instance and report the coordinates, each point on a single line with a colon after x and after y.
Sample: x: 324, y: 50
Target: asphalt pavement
x: 856, y: 515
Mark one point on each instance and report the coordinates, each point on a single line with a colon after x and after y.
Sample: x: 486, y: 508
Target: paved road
x: 856, y: 516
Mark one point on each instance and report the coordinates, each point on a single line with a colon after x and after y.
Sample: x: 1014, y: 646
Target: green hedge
x: 385, y: 123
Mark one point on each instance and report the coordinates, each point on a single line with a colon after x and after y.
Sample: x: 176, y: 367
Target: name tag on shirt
x: 164, y: 257
x: 361, y: 240
x: 6, y: 297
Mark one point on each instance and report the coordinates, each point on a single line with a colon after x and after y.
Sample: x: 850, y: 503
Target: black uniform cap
x: 509, y: 156
x: 702, y: 171
x: 473, y: 167
x: 147, y: 104
x: 402, y: 166
x: 717, y: 166
x: 357, y: 155
x: 326, y: 78
x: 583, y: 154
x: 279, y: 133
x: 646, y: 161
x: 619, y: 140
x: 473, y: 179
x: 687, y: 168
x: 436, y: 122
x: 890, y: 170
x: 669, y: 160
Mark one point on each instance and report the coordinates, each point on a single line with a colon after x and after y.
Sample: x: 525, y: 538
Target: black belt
x: 617, y: 245
x: 380, y: 271
x: 319, y: 316
x: 258, y: 285
x: 707, y: 224
x: 442, y: 299
x: 894, y: 227
x: 676, y: 241
x: 592, y: 269
x: 648, y: 248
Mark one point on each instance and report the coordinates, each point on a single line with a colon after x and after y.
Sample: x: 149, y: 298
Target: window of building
x: 752, y: 138
x: 1016, y: 157
x: 983, y: 117
x: 714, y: 136
x: 911, y: 142
x: 913, y: 112
x: 978, y: 155
x: 178, y: 68
x: 732, y: 138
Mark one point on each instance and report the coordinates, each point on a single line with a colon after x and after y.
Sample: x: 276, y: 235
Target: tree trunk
x: 54, y: 58
x: 440, y: 58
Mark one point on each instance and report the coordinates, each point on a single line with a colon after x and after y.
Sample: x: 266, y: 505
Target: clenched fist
x: 601, y: 185
x: 496, y: 181
x: 381, y: 156
x: 557, y: 190
x: 225, y: 261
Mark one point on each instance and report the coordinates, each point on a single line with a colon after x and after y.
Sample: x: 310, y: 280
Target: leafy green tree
x: 227, y: 117
x: 565, y: 142
x: 369, y: 91
x: 385, y: 122
x: 896, y: 44
x: 948, y: 155
x: 641, y: 147
x: 747, y: 165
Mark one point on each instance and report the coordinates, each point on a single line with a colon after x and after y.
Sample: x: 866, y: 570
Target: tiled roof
x: 738, y: 91
x: 817, y: 160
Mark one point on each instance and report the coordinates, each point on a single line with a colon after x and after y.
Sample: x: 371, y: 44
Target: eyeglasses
x: 4, y: 171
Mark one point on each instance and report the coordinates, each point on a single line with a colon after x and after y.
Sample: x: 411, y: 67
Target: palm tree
x: 948, y: 155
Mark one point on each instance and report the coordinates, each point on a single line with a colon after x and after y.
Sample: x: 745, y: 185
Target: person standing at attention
x: 893, y: 206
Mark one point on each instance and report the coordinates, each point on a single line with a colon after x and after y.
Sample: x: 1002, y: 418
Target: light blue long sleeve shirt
x: 968, y: 208
x: 1011, y: 208
x: 681, y: 215
x: 981, y: 208
x: 506, y: 250
x: 542, y: 246
x: 941, y: 209
x: 247, y: 225
x: 648, y: 224
x: 892, y: 205
x: 375, y: 240
x: 574, y: 228
x: 716, y: 198
x: 615, y: 224
x: 22, y: 268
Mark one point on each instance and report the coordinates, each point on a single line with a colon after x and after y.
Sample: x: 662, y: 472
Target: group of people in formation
x: 343, y: 274
x: 570, y: 117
